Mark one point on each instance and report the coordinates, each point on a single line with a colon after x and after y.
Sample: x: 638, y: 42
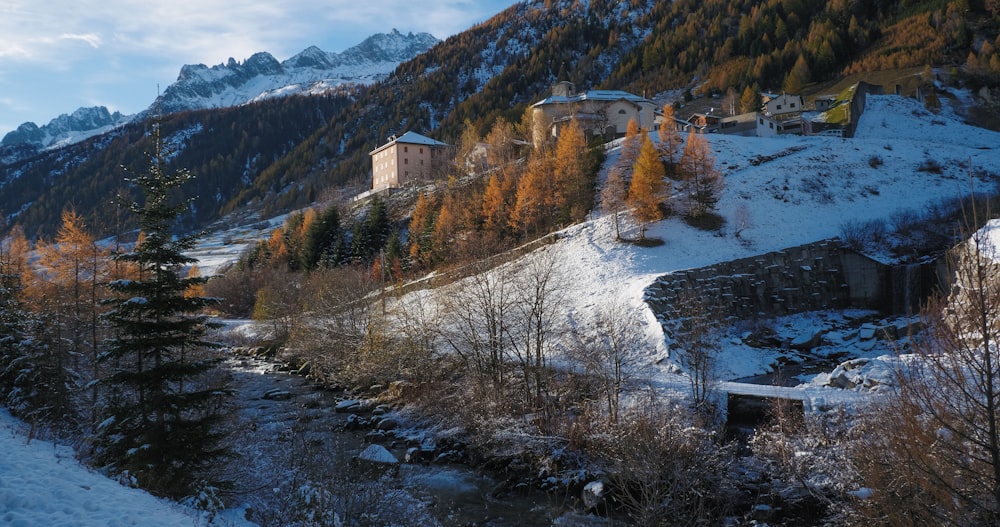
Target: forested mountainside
x: 226, y: 149
x: 497, y: 69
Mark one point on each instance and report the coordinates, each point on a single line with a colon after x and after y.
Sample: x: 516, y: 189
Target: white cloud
x: 92, y: 39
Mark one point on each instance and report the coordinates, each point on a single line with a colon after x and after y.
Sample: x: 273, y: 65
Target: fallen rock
x: 378, y: 454
x: 593, y: 494
x: 277, y: 394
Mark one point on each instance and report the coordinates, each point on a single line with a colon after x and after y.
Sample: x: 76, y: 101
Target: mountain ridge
x: 261, y: 76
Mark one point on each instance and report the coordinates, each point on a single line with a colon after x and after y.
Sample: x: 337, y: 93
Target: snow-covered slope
x: 312, y: 71
x: 42, y: 485
x: 795, y: 190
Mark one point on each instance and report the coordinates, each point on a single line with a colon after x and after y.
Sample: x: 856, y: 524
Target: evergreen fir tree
x: 322, y: 235
x: 371, y: 234
x: 161, y: 420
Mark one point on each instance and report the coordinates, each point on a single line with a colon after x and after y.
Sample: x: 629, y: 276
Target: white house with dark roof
x: 404, y: 159
x: 600, y: 112
x: 780, y: 114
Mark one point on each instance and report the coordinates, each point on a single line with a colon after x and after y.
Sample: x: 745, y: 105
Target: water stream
x: 289, y: 436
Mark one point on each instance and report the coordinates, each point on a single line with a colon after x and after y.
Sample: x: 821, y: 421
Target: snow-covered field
x: 42, y: 485
x: 795, y: 189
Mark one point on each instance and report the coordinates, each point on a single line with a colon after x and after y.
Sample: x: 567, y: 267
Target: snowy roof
x: 594, y: 95
x: 411, y: 138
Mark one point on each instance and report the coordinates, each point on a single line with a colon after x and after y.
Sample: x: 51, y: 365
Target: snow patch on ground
x: 43, y: 485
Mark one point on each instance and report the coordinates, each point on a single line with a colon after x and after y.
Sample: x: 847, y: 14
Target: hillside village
x: 605, y: 114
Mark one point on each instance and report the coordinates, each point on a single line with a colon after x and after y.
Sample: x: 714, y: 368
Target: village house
x: 405, y: 159
x: 780, y: 114
x: 713, y: 123
x: 604, y: 113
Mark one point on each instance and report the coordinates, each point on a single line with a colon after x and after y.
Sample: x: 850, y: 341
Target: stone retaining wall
x: 817, y: 276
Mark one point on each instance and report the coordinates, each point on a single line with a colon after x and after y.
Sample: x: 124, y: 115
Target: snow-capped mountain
x: 198, y: 87
x: 66, y: 129
x: 312, y: 71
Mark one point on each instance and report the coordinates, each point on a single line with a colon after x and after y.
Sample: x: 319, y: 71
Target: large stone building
x: 603, y: 113
x: 405, y: 159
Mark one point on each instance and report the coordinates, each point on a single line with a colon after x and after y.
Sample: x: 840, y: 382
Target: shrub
x: 864, y: 235
x: 931, y: 167
x: 708, y: 221
x: 875, y: 161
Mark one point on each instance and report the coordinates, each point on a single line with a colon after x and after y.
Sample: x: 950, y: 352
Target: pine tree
x: 36, y: 380
x: 12, y: 317
x: 649, y: 187
x: 371, y: 233
x: 161, y: 419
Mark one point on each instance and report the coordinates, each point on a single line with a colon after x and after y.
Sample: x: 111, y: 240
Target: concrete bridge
x: 747, y: 406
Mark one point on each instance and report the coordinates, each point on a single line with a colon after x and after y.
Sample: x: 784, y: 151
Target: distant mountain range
x: 199, y: 87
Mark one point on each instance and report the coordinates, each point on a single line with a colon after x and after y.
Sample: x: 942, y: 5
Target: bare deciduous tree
x: 697, y: 345
x: 609, y: 352
x: 613, y: 198
x: 941, y: 463
x: 476, y: 317
x: 667, y: 470
x: 541, y: 288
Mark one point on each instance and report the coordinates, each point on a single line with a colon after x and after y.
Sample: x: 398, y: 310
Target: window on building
x: 406, y: 161
x: 792, y: 105
x: 406, y: 149
x: 778, y: 107
x: 772, y: 125
x: 421, y: 150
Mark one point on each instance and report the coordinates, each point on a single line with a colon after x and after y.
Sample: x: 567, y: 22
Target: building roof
x: 593, y: 95
x: 411, y: 138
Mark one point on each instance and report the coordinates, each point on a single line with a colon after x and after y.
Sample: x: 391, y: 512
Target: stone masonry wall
x: 816, y: 276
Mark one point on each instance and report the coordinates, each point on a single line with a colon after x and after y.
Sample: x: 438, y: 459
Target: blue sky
x: 60, y: 55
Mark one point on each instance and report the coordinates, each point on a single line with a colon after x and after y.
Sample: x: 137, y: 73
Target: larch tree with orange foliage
x: 649, y: 187
x: 498, y: 203
x: 670, y: 141
x: 535, y: 196
x: 631, y: 146
x: 703, y: 183
x: 15, y: 341
x: 72, y: 269
x: 446, y: 227
x: 70, y: 292
x: 502, y: 149
x: 421, y: 226
x: 573, y: 181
